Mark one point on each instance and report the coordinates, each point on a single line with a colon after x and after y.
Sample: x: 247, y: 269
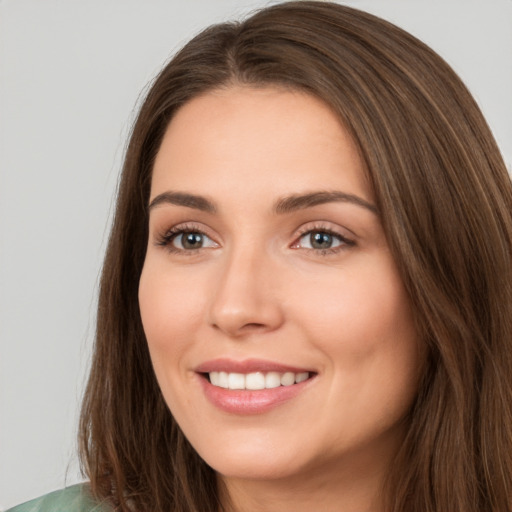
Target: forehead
x: 265, y: 138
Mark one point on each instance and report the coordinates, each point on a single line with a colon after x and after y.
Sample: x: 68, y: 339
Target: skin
x: 259, y: 288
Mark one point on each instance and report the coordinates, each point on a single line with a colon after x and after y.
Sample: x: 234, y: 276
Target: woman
x: 306, y: 297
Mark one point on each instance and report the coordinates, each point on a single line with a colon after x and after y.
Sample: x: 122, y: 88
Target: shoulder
x: 71, y: 499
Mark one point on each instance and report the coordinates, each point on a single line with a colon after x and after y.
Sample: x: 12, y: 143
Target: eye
x: 190, y: 240
x: 322, y: 240
x: 319, y: 240
x: 185, y: 239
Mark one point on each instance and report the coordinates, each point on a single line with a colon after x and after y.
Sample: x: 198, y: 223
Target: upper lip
x: 247, y: 366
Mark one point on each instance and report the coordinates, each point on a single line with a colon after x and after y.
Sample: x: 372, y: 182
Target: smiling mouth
x: 256, y: 380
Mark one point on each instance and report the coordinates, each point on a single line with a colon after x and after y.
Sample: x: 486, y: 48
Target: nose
x: 245, y: 299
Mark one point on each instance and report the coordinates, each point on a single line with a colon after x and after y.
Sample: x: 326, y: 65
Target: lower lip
x: 237, y: 401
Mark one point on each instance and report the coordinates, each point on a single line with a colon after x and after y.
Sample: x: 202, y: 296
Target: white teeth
x: 287, y: 379
x: 214, y: 378
x: 223, y: 380
x: 236, y: 381
x: 300, y: 377
x: 256, y: 380
x: 272, y: 380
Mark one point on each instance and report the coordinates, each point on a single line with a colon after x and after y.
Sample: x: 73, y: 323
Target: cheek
x: 362, y: 322
x: 171, y: 310
x: 366, y: 299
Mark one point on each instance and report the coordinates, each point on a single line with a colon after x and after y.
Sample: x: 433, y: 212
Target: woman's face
x: 267, y: 268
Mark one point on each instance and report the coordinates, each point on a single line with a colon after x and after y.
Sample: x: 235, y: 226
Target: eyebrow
x: 300, y: 201
x: 284, y: 205
x: 183, y: 199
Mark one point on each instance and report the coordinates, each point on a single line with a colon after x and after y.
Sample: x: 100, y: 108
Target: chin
x: 263, y: 469
x: 253, y: 462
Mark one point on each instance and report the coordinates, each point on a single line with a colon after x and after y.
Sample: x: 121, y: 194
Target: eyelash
x: 320, y: 228
x: 166, y: 239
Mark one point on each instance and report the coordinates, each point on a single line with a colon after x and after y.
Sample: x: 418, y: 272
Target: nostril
x: 253, y: 326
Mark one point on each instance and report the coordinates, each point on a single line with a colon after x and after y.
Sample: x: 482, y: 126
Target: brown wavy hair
x: 445, y: 201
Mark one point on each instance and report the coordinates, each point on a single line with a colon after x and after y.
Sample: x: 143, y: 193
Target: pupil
x: 192, y: 241
x: 321, y: 240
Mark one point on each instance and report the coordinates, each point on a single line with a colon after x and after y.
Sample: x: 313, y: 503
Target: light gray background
x: 71, y: 73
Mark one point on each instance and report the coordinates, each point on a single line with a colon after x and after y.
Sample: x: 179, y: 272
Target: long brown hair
x: 445, y: 200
